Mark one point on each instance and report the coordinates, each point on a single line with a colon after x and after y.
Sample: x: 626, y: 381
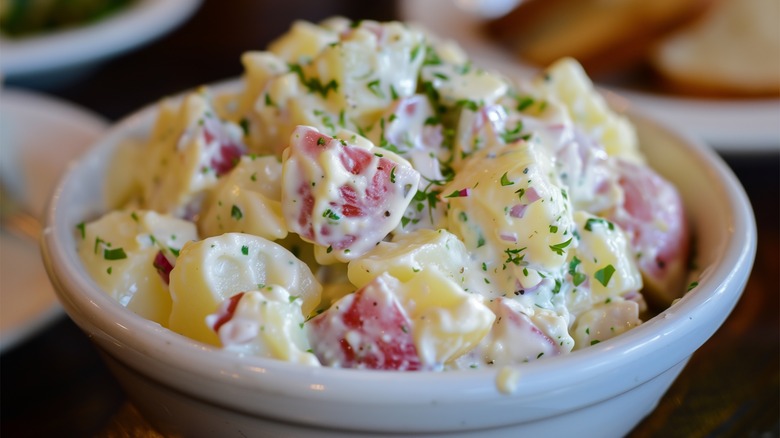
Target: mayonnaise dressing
x: 371, y: 199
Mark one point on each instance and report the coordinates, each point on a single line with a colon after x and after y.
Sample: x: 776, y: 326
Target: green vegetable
x: 114, y: 254
x: 558, y: 248
x: 236, y: 213
x: 505, y: 180
x: 596, y: 221
x: 604, y: 274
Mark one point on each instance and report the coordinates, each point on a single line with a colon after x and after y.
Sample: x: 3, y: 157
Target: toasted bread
x: 732, y: 50
x: 603, y: 35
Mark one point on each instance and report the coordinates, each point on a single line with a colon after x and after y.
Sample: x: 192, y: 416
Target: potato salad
x: 367, y: 197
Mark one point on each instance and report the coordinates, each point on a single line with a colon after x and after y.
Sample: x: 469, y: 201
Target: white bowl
x: 187, y: 388
x: 68, y: 53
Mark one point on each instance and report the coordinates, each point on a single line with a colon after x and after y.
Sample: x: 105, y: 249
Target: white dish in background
x: 64, y: 53
x: 39, y: 136
x: 730, y: 126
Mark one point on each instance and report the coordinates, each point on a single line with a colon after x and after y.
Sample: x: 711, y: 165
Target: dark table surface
x: 56, y: 385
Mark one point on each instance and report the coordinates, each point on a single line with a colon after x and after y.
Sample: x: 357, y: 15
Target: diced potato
x: 518, y: 338
x: 407, y: 254
x: 363, y: 85
x: 605, y: 257
x: 247, y: 200
x: 605, y: 321
x: 343, y: 196
x: 566, y: 81
x: 214, y: 269
x: 456, y: 84
x: 189, y: 149
x: 367, y: 329
x: 267, y: 323
x: 303, y: 41
x: 446, y: 321
x: 119, y: 250
x: 509, y: 209
x: 652, y: 214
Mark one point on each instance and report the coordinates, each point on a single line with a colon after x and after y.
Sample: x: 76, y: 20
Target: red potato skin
x: 374, y: 317
x: 227, y: 312
x: 163, y: 267
x: 662, y: 252
x: 387, y: 183
x: 511, y: 324
x: 229, y: 152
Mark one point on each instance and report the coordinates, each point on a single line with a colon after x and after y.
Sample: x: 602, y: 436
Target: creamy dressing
x: 371, y: 199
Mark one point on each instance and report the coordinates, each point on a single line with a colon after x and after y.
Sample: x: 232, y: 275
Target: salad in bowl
x: 368, y: 198
x: 367, y: 232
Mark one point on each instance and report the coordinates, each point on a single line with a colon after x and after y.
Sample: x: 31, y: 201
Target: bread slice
x: 733, y: 50
x: 603, y: 35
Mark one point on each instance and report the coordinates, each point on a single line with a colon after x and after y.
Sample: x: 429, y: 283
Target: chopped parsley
x: 524, y: 102
x: 462, y: 193
x: 468, y: 104
x: 558, y: 248
x: 431, y: 57
x: 415, y: 51
x: 330, y: 214
x: 393, y: 93
x: 505, y: 180
x: 244, y: 123
x: 236, y: 213
x: 597, y: 220
x: 114, y: 254
x: 604, y: 274
x: 515, y: 134
x: 375, y: 88
x: 314, y: 85
x: 515, y: 257
x: 577, y: 277
x: 557, y: 287
x: 82, y: 230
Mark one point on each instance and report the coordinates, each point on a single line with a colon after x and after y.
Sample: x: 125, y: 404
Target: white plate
x: 39, y: 136
x: 72, y: 49
x: 734, y: 126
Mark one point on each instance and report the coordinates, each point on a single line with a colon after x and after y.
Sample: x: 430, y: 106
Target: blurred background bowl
x: 53, y: 59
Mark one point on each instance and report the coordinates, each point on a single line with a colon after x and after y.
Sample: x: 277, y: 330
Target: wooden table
x: 55, y: 384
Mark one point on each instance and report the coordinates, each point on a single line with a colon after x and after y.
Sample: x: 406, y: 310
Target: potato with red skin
x: 344, y: 197
x: 130, y: 253
x: 267, y: 322
x: 517, y: 337
x: 367, y: 329
x: 652, y: 213
x: 189, y: 150
x: 211, y: 270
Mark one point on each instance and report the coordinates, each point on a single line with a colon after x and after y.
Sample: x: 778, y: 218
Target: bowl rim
x: 109, y: 320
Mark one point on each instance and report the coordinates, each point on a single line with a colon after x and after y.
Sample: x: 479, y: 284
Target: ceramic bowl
x: 185, y: 388
x: 58, y: 58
